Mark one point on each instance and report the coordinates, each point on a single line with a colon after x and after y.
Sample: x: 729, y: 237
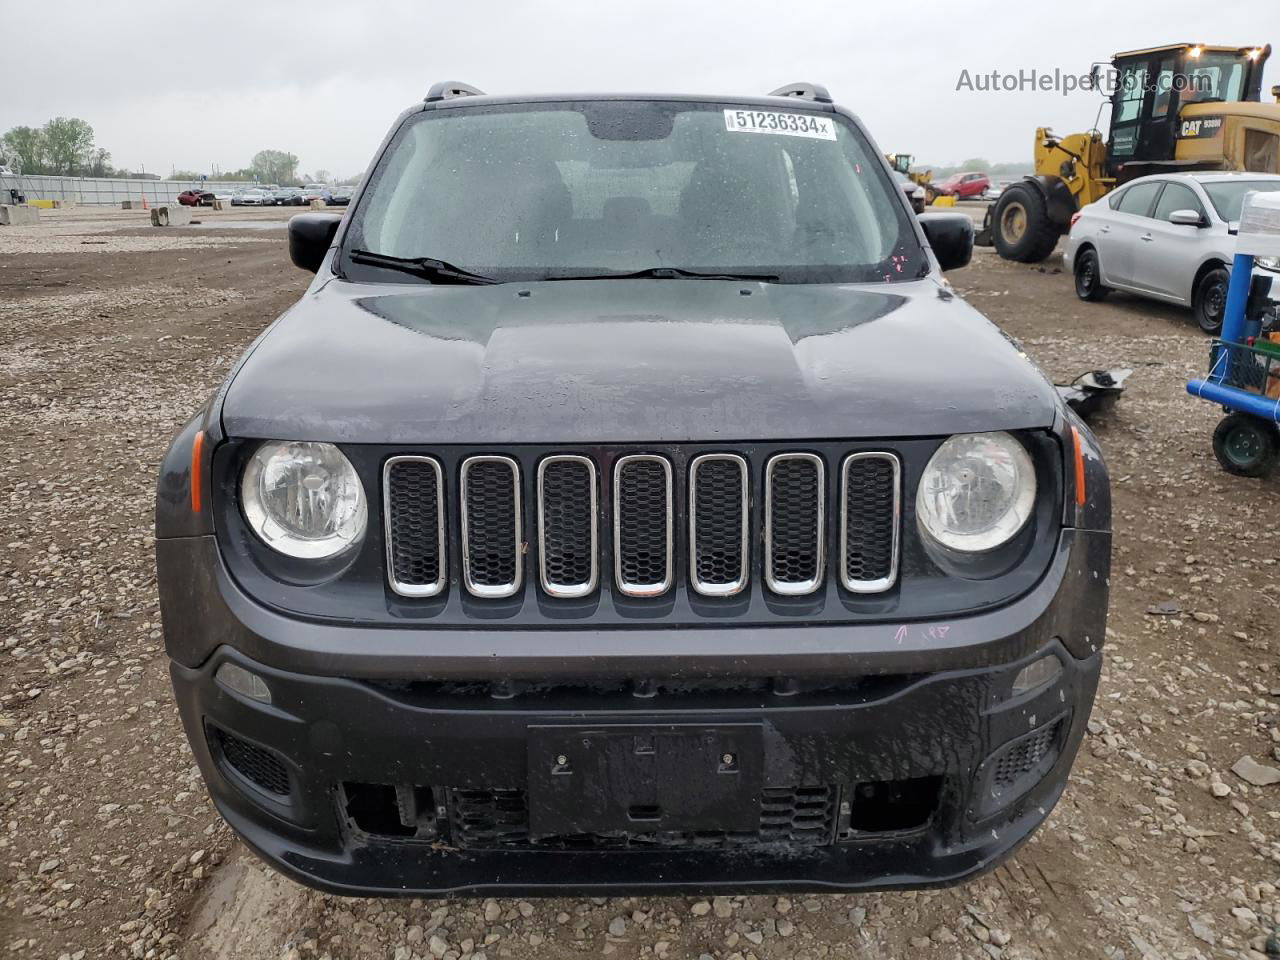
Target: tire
x: 1088, y: 276
x: 1209, y: 300
x: 1246, y: 446
x: 1021, y: 228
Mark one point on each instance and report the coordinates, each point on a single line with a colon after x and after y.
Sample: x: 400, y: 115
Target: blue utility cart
x: 1244, y: 364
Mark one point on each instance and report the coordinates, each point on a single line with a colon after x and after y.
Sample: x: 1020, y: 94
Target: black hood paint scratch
x: 615, y: 361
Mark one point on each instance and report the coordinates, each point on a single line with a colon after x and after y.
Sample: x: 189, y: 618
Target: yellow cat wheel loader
x: 1176, y: 108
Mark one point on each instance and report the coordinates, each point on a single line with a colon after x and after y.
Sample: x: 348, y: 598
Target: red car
x: 963, y: 185
x: 195, y: 198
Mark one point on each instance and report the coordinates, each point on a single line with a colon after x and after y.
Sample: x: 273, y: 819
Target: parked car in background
x: 225, y: 194
x: 341, y: 196
x: 1167, y: 237
x: 916, y: 194
x: 252, y: 198
x: 963, y: 186
x: 997, y: 188
x: 287, y: 197
x: 196, y: 198
x: 315, y: 191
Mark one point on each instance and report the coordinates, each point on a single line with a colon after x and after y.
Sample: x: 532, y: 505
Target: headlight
x: 303, y: 499
x: 1267, y: 263
x: 977, y: 492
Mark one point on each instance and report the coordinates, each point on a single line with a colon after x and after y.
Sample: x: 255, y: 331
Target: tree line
x: 65, y: 147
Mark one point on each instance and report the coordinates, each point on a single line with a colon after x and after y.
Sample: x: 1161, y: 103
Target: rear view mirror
x: 1187, y: 218
x: 951, y: 237
x: 310, y: 236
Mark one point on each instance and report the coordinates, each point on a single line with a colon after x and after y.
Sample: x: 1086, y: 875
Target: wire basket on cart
x: 1254, y: 368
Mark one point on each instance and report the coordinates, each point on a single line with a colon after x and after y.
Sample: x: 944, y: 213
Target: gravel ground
x: 110, y: 848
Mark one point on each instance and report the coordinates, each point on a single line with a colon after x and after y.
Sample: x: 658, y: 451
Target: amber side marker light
x: 1079, y: 453
x: 197, y: 467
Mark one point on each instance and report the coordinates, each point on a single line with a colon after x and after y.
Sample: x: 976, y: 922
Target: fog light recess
x: 239, y: 680
x: 1036, y: 674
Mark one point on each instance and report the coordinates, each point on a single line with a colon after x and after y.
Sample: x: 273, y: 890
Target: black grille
x: 415, y: 525
x: 499, y: 818
x: 255, y: 764
x: 718, y: 524
x: 643, y: 525
x: 870, y: 522
x: 794, y: 527
x: 491, y: 526
x: 1025, y: 756
x: 482, y: 819
x: 567, y: 525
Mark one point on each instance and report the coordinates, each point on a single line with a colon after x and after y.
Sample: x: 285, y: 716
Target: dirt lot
x: 111, y: 333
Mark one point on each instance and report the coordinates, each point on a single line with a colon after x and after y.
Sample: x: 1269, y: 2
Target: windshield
x: 544, y: 191
x: 1215, y: 76
x: 1228, y: 195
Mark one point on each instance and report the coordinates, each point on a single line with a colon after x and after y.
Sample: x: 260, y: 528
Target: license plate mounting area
x: 644, y: 778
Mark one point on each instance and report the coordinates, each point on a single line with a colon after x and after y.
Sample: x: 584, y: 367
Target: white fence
x: 104, y: 191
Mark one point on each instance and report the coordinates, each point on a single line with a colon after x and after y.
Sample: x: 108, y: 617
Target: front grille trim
x: 736, y: 586
x: 442, y: 548
x: 800, y: 587
x: 662, y: 586
x: 568, y: 590
x: 492, y: 591
x: 880, y: 584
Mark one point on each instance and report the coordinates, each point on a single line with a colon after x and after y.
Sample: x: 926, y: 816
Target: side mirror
x: 1187, y: 218
x: 951, y: 237
x: 310, y: 237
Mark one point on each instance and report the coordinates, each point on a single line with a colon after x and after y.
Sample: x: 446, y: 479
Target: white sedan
x: 1168, y: 237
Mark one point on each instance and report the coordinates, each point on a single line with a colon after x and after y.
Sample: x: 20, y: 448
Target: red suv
x: 195, y: 198
x: 963, y: 185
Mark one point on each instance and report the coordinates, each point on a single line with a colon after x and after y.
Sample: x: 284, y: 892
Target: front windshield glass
x: 542, y: 191
x: 1215, y: 76
x: 1228, y: 195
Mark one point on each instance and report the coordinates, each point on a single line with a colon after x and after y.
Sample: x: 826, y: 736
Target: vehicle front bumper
x: 889, y: 725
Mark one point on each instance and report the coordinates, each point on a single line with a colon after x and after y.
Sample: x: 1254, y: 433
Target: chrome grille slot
x: 413, y: 507
x: 718, y: 516
x: 567, y: 526
x: 794, y: 523
x: 492, y: 540
x: 642, y: 525
x: 870, y: 505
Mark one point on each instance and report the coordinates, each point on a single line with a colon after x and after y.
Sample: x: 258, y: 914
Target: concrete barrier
x: 132, y: 204
x: 317, y: 204
x: 15, y: 216
x: 170, y: 216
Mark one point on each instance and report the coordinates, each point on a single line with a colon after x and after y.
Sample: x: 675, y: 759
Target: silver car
x: 1168, y: 237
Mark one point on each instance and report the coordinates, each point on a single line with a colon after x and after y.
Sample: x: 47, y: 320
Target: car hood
x: 631, y: 361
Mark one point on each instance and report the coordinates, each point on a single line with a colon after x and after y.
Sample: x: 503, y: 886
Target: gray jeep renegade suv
x: 629, y: 504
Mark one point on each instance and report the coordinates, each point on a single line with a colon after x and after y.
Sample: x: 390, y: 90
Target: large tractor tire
x: 1020, y: 226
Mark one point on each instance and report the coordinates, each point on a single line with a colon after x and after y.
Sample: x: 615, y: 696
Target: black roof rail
x: 448, y: 89
x: 805, y: 91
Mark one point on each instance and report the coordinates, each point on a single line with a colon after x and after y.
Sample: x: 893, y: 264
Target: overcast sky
x: 167, y: 84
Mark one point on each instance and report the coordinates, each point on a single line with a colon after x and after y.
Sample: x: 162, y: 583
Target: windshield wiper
x: 437, y: 271
x: 672, y: 273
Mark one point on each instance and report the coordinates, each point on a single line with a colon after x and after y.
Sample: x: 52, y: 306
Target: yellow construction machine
x: 902, y: 163
x: 1177, y: 108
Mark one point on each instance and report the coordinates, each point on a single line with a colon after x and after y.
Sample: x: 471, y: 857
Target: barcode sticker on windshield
x: 785, y: 124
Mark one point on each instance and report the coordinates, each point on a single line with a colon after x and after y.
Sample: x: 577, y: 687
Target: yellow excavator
x: 902, y: 163
x: 1177, y: 108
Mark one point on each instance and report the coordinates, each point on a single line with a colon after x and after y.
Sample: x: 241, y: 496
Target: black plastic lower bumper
x: 364, y: 787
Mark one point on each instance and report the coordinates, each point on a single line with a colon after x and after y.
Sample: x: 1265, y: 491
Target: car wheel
x: 1209, y: 301
x: 1088, y: 275
x: 1020, y: 227
x: 1246, y: 446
